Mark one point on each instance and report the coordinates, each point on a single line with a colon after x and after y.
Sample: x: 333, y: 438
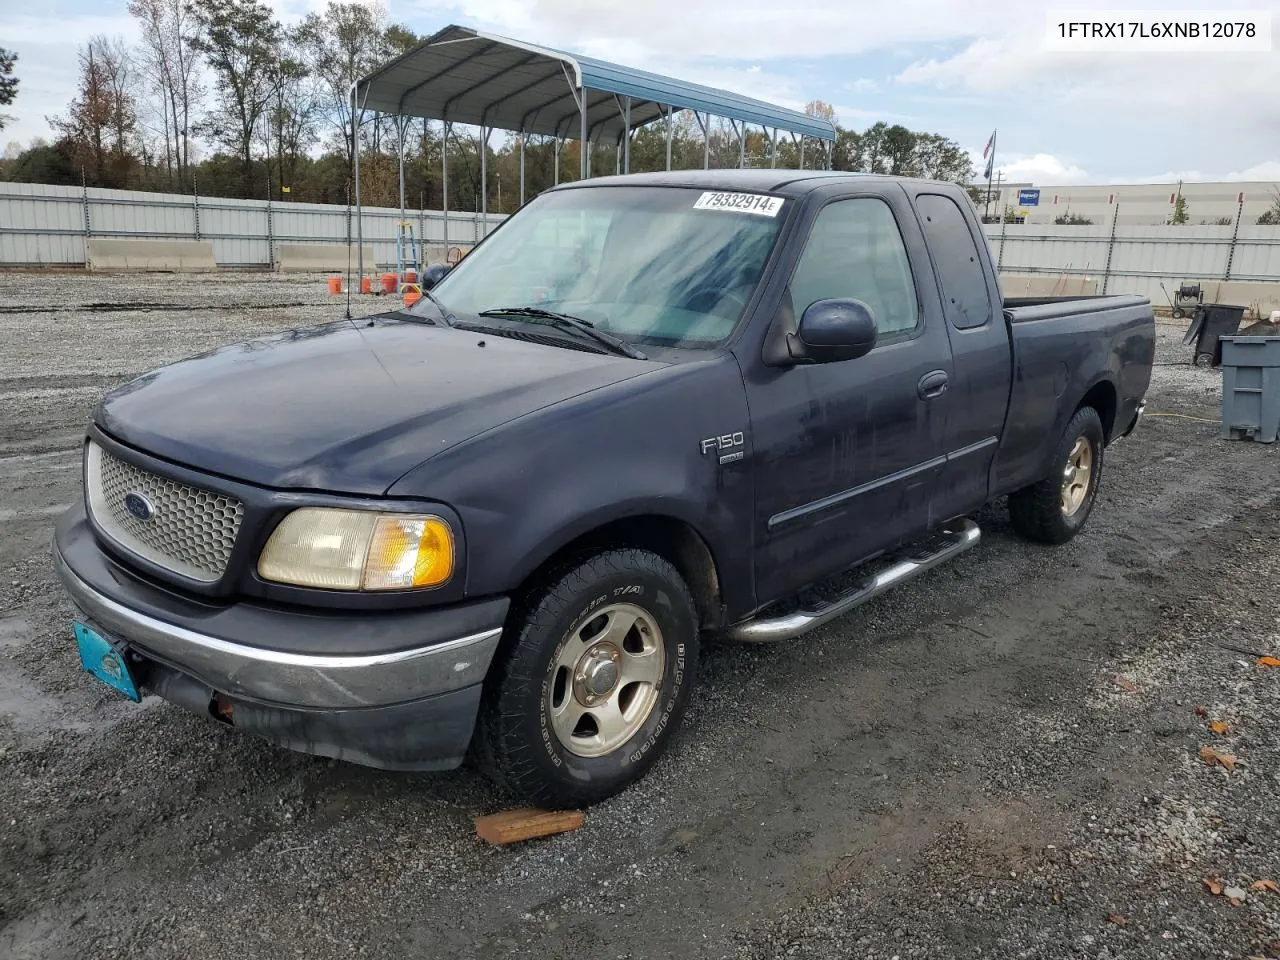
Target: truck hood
x: 346, y: 407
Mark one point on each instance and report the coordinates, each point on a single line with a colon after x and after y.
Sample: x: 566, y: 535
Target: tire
x: 1047, y: 512
x: 1178, y: 313
x: 1203, y: 360
x: 627, y: 607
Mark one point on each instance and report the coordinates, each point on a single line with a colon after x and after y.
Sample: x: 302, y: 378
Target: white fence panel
x: 46, y: 225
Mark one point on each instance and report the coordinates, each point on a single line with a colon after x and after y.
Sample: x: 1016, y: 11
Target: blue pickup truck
x: 647, y: 410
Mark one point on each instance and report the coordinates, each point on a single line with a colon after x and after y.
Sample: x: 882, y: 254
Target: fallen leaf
x: 1201, y: 712
x: 1214, y: 885
x: 1116, y: 918
x: 1057, y: 898
x: 1269, y: 661
x: 1124, y: 683
x: 1213, y: 758
x: 1269, y: 885
x: 1219, y: 727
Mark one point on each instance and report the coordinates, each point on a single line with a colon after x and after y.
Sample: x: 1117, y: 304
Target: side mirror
x: 433, y: 274
x: 832, y: 330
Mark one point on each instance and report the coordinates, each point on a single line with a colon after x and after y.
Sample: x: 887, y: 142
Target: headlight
x: 358, y: 550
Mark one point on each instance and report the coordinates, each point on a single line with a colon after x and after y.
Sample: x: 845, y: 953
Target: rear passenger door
x: 981, y: 360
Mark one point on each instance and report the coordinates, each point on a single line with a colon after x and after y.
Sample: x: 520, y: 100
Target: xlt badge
x: 728, y: 445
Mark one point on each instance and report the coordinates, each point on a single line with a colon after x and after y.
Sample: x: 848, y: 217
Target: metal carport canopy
x: 472, y: 77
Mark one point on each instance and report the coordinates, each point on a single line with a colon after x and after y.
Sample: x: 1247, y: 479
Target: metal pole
x: 670, y: 111
x: 356, y: 118
x: 444, y: 181
x: 626, y: 122
x: 556, y: 180
x: 773, y: 150
x: 195, y: 203
x: 742, y: 145
x: 1111, y: 244
x: 271, y: 244
x: 484, y: 177
x: 84, y: 208
x: 522, y: 168
x: 400, y: 125
x: 1004, y: 226
x: 802, y: 153
x: 617, y: 156
x: 1235, y: 233
x: 583, y: 170
x: 706, y: 143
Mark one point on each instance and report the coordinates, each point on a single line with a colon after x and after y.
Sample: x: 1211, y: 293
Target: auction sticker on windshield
x: 740, y: 202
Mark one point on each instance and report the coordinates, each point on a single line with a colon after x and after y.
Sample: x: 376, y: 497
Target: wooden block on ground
x: 512, y: 826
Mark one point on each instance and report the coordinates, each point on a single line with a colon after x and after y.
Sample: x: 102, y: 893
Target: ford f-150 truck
x: 646, y: 410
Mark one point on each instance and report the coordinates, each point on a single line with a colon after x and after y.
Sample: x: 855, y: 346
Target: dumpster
x: 1209, y: 323
x: 1250, y: 388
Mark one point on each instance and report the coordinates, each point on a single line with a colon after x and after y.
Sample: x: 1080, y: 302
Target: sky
x: 961, y: 69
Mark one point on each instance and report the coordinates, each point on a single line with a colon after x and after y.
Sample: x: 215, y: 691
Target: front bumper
x: 394, y: 689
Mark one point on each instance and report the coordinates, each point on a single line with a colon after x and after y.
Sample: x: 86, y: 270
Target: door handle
x: 932, y: 384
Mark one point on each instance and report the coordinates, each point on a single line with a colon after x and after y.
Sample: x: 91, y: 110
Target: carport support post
x: 670, y: 111
x: 583, y: 169
x: 484, y: 179
x: 801, y: 151
x: 706, y: 143
x: 742, y: 144
x: 356, y: 117
x: 626, y: 123
x: 555, y: 181
x: 522, y: 168
x: 444, y: 182
x: 773, y: 150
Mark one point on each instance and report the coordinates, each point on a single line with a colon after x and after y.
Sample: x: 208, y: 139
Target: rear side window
x: 855, y: 251
x: 964, y: 284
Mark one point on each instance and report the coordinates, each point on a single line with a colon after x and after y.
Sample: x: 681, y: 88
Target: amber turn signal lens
x: 408, y: 552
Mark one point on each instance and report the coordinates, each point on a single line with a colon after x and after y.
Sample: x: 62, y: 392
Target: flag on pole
x: 990, y: 143
x: 986, y: 174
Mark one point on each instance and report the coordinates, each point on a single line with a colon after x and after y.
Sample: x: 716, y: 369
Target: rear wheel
x: 591, y: 681
x: 1055, y: 509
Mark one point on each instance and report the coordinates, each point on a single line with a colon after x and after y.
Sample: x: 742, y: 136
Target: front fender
x: 529, y: 488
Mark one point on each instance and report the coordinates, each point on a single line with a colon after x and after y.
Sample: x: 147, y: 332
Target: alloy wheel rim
x: 1076, y: 477
x: 606, y: 679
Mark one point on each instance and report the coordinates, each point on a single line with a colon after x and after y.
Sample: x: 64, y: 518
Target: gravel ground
x: 1001, y: 759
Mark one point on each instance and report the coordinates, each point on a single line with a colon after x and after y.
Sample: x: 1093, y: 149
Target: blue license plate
x: 105, y: 660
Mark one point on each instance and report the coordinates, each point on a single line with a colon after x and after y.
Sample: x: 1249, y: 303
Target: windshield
x: 651, y: 265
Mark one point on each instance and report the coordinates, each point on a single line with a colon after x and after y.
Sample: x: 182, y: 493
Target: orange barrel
x: 411, y: 276
x: 335, y: 284
x: 388, y: 283
x: 366, y: 284
x: 411, y: 297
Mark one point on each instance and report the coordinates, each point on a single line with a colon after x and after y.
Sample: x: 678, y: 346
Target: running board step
x: 938, y: 549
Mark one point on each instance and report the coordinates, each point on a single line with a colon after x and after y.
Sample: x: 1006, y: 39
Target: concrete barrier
x: 186, y: 256
x: 321, y: 257
x: 1047, y: 285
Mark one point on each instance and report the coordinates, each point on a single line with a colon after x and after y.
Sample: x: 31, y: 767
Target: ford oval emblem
x: 139, y: 507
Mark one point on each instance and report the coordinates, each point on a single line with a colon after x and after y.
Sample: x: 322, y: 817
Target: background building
x: 1141, y: 203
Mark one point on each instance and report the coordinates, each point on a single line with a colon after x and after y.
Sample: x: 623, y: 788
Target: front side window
x: 649, y: 265
x: 855, y: 251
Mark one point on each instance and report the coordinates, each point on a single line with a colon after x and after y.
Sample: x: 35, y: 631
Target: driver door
x: 847, y: 454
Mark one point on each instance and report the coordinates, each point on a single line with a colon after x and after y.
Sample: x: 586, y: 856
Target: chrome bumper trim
x: 291, y: 679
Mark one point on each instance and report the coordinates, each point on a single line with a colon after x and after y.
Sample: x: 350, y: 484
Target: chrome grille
x: 189, y: 531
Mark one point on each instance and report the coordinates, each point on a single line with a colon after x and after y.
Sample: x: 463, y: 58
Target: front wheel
x: 1055, y: 509
x: 591, y: 680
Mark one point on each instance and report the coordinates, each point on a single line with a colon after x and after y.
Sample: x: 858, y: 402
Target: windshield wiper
x: 564, y: 321
x: 445, y: 313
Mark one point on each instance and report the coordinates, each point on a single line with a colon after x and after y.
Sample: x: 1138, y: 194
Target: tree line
x: 218, y: 97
